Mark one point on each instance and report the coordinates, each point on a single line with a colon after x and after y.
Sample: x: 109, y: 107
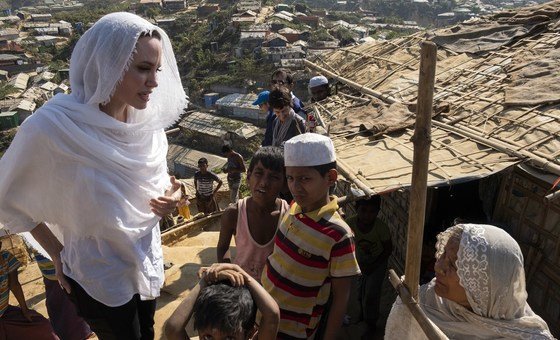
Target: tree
x: 6, y: 89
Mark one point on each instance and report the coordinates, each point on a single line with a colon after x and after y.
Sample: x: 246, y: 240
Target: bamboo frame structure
x: 482, y: 122
x: 475, y: 87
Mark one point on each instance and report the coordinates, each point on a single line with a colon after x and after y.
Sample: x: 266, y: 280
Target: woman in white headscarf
x: 90, y: 168
x: 478, y: 292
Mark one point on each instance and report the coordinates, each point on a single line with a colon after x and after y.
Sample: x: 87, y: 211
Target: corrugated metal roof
x: 189, y: 158
x: 216, y: 126
x: 20, y: 81
x: 9, y: 57
x: 238, y: 100
x: 27, y: 105
x: 49, y: 86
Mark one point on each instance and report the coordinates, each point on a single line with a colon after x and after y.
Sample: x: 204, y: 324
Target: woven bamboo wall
x: 536, y: 226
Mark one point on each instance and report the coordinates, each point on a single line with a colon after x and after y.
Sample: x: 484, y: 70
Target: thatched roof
x: 496, y: 100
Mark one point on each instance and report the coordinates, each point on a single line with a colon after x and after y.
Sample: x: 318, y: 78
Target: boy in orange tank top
x: 253, y: 221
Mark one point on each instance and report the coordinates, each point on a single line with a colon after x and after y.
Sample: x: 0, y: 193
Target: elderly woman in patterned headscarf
x: 478, y: 292
x: 90, y: 167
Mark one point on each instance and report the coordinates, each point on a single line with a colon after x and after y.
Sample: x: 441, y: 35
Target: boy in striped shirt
x: 314, y: 253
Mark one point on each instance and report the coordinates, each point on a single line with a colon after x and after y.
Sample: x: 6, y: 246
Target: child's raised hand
x: 223, y: 271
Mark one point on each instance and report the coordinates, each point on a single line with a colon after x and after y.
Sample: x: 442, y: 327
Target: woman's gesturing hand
x: 166, y: 204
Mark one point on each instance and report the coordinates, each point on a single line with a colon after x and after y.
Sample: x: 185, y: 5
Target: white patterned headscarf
x: 72, y: 165
x: 490, y: 268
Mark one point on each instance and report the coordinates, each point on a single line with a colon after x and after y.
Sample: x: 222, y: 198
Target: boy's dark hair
x: 324, y: 168
x: 285, y: 74
x: 226, y: 149
x: 271, y: 157
x: 203, y: 161
x: 280, y: 97
x: 373, y: 201
x: 226, y: 308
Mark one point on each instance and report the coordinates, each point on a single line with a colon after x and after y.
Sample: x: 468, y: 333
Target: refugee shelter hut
x: 240, y: 106
x: 207, y: 132
x: 495, y: 133
x: 183, y: 161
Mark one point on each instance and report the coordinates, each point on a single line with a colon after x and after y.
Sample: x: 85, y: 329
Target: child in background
x: 183, y: 206
x: 313, y: 256
x: 18, y: 322
x: 373, y: 248
x: 204, y: 185
x: 63, y: 315
x: 262, y: 101
x: 254, y: 220
x: 225, y: 311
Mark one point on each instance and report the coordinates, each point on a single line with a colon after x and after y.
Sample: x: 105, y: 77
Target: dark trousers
x: 62, y: 313
x: 370, y: 294
x: 132, y: 321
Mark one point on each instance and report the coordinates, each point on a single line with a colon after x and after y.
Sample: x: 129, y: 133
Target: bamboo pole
x: 179, y: 230
x: 552, y: 196
x: 431, y: 331
x: 350, y: 83
x: 499, y: 145
x: 172, y: 235
x: 172, y: 131
x: 348, y: 173
x: 421, y: 141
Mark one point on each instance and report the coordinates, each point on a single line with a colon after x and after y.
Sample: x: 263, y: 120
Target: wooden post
x: 430, y: 329
x: 421, y: 140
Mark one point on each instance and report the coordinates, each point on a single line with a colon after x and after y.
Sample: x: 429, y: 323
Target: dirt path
x: 195, y: 250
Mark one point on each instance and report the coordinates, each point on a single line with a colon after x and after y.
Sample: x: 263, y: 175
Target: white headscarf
x: 74, y: 166
x: 490, y: 268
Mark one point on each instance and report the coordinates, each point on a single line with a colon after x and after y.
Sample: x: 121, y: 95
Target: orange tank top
x: 250, y: 255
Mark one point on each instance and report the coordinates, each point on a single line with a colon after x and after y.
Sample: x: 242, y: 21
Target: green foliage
x: 320, y: 34
x: 349, y: 17
x: 92, y: 11
x: 200, y: 65
x: 6, y: 138
x: 229, y: 124
x: 345, y: 35
x: 54, y: 67
x: 392, y: 20
x: 244, y: 190
x: 64, y: 53
x: 6, y: 89
x: 152, y: 12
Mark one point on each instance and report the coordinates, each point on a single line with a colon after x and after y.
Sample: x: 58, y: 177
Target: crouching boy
x: 224, y: 305
x: 314, y: 253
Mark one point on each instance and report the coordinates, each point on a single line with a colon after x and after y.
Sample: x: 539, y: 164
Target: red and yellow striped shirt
x: 8, y: 263
x: 309, y: 250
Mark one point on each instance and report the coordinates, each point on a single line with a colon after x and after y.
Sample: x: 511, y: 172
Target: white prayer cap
x: 318, y: 81
x: 309, y: 149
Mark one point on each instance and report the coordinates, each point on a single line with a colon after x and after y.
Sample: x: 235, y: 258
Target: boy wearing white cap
x: 313, y: 256
x: 319, y: 88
